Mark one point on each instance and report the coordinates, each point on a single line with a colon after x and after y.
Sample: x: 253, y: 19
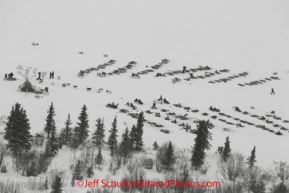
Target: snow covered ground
x: 239, y: 36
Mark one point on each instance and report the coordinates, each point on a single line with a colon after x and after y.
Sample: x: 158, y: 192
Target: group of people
x: 51, y: 75
x: 8, y: 76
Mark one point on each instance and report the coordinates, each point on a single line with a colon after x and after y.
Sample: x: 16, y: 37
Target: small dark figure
x: 39, y: 75
x: 184, y: 69
x: 191, y: 75
x: 52, y: 74
x: 166, y: 102
x: 154, y: 105
x: 58, y: 78
x: 5, y: 78
x: 46, y: 89
x: 161, y: 98
x: 272, y: 91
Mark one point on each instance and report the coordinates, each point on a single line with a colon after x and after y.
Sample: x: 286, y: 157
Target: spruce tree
x: 155, y: 145
x: 132, y: 137
x: 98, y: 135
x: 82, y: 127
x: 51, y: 148
x: 46, y: 186
x: 89, y: 171
x: 201, y: 144
x: 170, y: 158
x: 57, y: 185
x: 77, y: 171
x: 139, y: 130
x: 17, y: 130
x: 99, y: 158
x: 252, y: 159
x: 227, y: 150
x: 281, y: 188
x: 112, y: 139
x: 125, y: 146
x: 72, y: 183
x: 67, y: 131
x: 50, y: 123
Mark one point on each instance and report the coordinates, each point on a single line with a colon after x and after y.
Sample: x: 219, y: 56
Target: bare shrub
x: 233, y: 168
x: 10, y: 186
x: 147, y: 162
x: 35, y: 184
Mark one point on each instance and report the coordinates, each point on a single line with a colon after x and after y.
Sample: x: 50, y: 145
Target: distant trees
x: 139, y: 131
x: 252, y: 159
x: 98, y: 134
x: 125, y: 145
x: 67, y: 131
x: 227, y: 150
x: 51, y: 148
x: 57, y: 185
x: 112, y: 139
x: 165, y: 156
x: 50, y: 123
x: 201, y: 144
x: 81, y: 130
x: 17, y: 130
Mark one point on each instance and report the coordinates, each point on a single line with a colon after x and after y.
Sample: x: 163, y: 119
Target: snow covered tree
x: 50, y: 123
x: 281, y: 188
x: 77, y: 171
x: 260, y: 187
x: 227, y: 150
x: 125, y: 146
x: 72, y: 183
x: 67, y: 131
x: 99, y: 158
x: 132, y: 137
x: 112, y: 139
x: 82, y: 127
x: 46, y: 184
x: 89, y: 171
x: 139, y: 130
x: 170, y: 158
x: 51, y: 148
x: 98, y: 135
x: 252, y: 159
x: 155, y: 145
x: 201, y: 144
x: 57, y: 185
x: 17, y: 130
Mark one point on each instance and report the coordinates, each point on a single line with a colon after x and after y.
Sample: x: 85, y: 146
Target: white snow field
x: 240, y: 36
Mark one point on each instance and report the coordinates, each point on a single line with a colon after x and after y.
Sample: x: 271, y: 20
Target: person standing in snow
x: 5, y: 77
x: 39, y: 74
x: 272, y: 91
x: 52, y: 74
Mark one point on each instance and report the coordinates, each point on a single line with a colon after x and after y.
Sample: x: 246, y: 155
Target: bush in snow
x: 147, y: 162
x: 10, y: 186
x: 233, y: 168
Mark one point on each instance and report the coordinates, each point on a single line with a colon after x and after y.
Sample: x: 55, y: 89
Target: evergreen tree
x: 99, y: 158
x: 89, y: 171
x: 227, y: 150
x: 252, y: 159
x: 57, y: 185
x: 125, y: 146
x: 132, y: 137
x: 112, y: 139
x: 82, y: 127
x: 98, y: 135
x: 51, y: 148
x: 17, y: 130
x: 67, y: 131
x: 72, y: 183
x: 155, y: 145
x: 46, y: 186
x: 77, y: 171
x: 281, y: 188
x: 50, y: 123
x: 139, y: 130
x: 260, y: 187
x: 201, y: 144
x: 170, y: 158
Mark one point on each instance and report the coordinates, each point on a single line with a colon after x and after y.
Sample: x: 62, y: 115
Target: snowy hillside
x: 248, y: 39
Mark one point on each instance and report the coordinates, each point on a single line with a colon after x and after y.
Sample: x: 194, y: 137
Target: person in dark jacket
x: 272, y: 91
